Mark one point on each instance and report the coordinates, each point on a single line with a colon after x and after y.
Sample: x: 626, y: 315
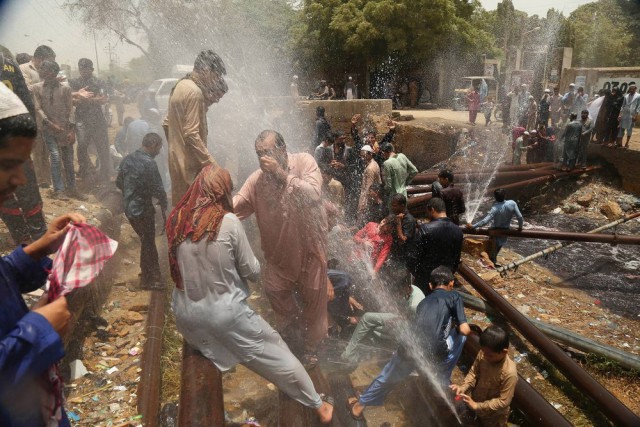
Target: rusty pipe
x: 615, y: 410
x: 201, y: 396
x: 543, y: 179
x: 526, y: 398
x: 151, y: 378
x: 429, y: 177
x: 614, y: 239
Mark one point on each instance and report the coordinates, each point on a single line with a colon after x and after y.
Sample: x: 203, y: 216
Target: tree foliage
x: 604, y: 33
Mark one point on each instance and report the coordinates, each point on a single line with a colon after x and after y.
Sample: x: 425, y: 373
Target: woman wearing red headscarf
x: 211, y: 260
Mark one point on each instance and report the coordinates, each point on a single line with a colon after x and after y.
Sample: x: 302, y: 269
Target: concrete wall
x: 626, y: 163
x: 596, y: 76
x: 342, y: 111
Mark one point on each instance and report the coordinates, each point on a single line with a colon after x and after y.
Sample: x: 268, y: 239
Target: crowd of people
x: 560, y: 127
x: 342, y: 253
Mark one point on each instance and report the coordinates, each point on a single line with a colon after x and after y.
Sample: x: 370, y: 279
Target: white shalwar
x: 213, y: 316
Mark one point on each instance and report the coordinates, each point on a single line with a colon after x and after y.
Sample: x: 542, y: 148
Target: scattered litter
x: 112, y: 370
x: 73, y: 416
x: 78, y: 370
x: 114, y: 407
x: 544, y: 374
x: 597, y: 302
x: 556, y: 405
x: 119, y: 388
x: 83, y: 208
x: 529, y: 380
x: 134, y: 351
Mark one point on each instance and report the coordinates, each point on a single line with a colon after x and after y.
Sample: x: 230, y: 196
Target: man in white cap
x: 293, y: 88
x: 568, y: 99
x: 371, y: 176
x: 30, y: 340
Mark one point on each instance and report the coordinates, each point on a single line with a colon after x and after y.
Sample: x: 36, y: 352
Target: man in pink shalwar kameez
x: 285, y: 194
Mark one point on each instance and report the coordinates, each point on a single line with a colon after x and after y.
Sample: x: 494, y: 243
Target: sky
x: 24, y: 24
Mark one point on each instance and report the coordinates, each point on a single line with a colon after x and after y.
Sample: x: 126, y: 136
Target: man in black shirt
x: 404, y: 237
x: 89, y: 96
x: 22, y: 213
x: 453, y: 199
x: 438, y: 242
x: 140, y: 181
x: 440, y: 343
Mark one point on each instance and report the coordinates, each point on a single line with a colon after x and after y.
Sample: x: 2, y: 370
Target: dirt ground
x: 107, y: 396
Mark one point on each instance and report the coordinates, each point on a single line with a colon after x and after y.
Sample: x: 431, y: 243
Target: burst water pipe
x: 526, y: 398
x: 564, y: 336
x: 615, y: 410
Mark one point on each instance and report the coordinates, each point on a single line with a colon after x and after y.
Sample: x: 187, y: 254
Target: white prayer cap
x: 547, y: 91
x: 295, y: 76
x: 367, y: 148
x: 526, y: 132
x: 10, y: 104
x: 350, y: 78
x: 572, y: 84
x: 534, y: 131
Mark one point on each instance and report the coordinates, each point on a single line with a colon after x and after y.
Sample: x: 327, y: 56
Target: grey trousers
x: 278, y: 365
x: 370, y: 325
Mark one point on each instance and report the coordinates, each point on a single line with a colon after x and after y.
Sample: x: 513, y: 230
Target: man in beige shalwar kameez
x: 186, y: 122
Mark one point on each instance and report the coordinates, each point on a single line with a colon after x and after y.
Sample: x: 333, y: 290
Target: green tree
x: 600, y: 36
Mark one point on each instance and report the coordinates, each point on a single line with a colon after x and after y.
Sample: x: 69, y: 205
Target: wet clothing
x: 555, y: 108
x: 572, y: 134
x: 473, y: 99
x: 140, y: 181
x: 186, y: 129
x: 397, y: 172
x: 543, y: 110
x: 213, y: 316
x: 371, y: 176
x: 492, y: 387
x: 438, y: 242
x: 380, y: 244
x: 453, y: 200
x: 293, y: 235
x: 30, y: 73
x: 439, y: 341
x: 579, y: 103
x: 381, y: 326
x: 518, y: 150
x: 403, y: 251
x: 28, y: 343
x: 22, y: 214
x: 613, y: 107
x: 501, y: 213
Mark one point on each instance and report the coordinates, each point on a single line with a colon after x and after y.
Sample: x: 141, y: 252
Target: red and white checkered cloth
x: 80, y: 259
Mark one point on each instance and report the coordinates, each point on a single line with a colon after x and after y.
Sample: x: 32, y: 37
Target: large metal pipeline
x: 517, y: 263
x: 526, y: 398
x: 201, y: 396
x: 150, y: 377
x: 564, y: 336
x: 615, y: 410
x: 543, y: 179
x: 613, y: 239
x: 429, y: 177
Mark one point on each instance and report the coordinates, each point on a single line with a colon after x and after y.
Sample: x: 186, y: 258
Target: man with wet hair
x: 370, y: 176
x: 89, y: 97
x: 397, y: 171
x: 452, y: 196
x: 501, y: 214
x: 286, y: 196
x: 439, y: 341
x: 403, y: 247
x: 438, y: 242
x: 186, y: 123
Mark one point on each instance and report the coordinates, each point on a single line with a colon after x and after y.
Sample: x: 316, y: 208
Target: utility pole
x: 111, y: 51
x: 95, y: 46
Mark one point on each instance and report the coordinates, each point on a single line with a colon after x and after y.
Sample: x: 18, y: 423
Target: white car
x: 161, y: 89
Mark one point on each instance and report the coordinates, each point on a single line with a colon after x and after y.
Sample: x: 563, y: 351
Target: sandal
x: 328, y: 399
x: 309, y: 360
x: 350, y: 406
